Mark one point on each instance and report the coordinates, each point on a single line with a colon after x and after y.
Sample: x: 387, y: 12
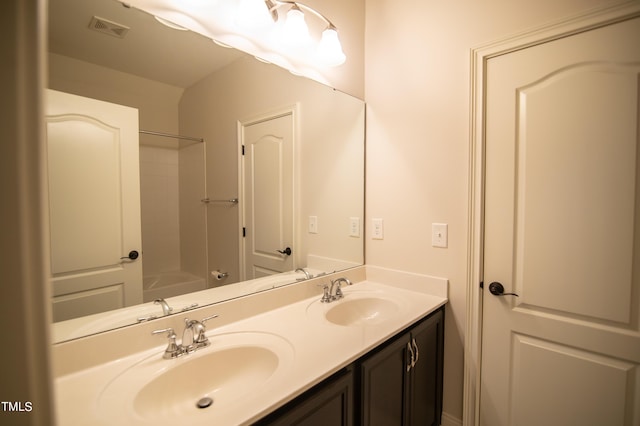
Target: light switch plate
x: 354, y: 227
x: 378, y: 229
x: 439, y: 235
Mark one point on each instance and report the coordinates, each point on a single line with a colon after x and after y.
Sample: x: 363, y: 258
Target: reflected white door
x: 562, y: 230
x: 268, y: 195
x: 94, y: 204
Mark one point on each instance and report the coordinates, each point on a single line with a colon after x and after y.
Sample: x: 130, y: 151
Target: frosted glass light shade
x: 170, y: 24
x: 330, y: 50
x: 295, y: 30
x: 253, y: 14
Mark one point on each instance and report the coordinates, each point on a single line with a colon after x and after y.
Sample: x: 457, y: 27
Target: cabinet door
x: 425, y: 396
x: 328, y: 404
x: 384, y: 381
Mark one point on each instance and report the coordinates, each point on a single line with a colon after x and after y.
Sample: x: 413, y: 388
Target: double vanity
x: 272, y: 358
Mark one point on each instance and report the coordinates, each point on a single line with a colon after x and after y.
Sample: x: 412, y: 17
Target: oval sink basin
x: 211, y: 379
x: 357, y: 309
x: 220, y: 375
x: 364, y: 311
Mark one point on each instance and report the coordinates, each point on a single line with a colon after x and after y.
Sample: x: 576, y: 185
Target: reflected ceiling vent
x: 108, y: 27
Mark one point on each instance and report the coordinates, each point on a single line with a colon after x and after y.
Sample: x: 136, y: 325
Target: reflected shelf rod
x: 169, y: 135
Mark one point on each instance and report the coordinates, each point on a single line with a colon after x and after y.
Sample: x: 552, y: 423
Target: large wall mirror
x: 247, y: 177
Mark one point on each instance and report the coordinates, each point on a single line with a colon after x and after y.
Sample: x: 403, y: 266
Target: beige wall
x: 417, y: 92
x: 159, y: 209
x: 157, y: 103
x: 193, y: 238
x: 329, y: 164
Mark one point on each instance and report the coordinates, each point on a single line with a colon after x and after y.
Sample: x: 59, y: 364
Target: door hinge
x: 481, y: 284
x: 244, y: 231
x: 242, y: 149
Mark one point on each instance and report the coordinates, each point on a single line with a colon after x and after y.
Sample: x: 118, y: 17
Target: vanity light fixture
x: 282, y: 32
x: 252, y: 14
x: 293, y: 29
x: 170, y: 24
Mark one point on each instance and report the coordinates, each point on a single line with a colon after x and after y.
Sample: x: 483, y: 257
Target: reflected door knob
x: 133, y: 255
x: 497, y: 289
x: 286, y: 251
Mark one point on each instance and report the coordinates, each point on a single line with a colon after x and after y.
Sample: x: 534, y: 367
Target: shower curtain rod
x: 169, y: 135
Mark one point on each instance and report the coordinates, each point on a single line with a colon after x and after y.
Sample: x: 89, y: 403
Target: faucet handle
x: 201, y: 338
x: 173, y: 349
x: 169, y: 331
x: 326, y: 296
x: 190, y: 323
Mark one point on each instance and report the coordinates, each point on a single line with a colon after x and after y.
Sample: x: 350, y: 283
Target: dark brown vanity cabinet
x: 401, y: 382
x: 397, y: 383
x: 329, y: 403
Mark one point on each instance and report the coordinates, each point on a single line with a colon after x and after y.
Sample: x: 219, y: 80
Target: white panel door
x: 268, y: 196
x: 562, y: 231
x: 94, y: 204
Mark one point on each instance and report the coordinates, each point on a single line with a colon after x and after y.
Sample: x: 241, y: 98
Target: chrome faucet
x: 338, y: 294
x: 193, y: 338
x: 306, y: 274
x: 329, y: 295
x: 166, y: 309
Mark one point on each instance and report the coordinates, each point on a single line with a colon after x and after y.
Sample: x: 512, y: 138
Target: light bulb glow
x: 295, y: 31
x: 330, y: 50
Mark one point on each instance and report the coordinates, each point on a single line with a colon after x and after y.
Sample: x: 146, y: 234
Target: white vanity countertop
x: 319, y: 349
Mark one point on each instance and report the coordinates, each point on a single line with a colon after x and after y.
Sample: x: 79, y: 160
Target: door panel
x: 575, y: 387
x: 576, y: 182
x: 84, y: 192
x: 268, y: 195
x: 94, y: 204
x: 561, y: 231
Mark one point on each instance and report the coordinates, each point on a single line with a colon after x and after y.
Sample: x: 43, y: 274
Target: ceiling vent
x: 108, y: 27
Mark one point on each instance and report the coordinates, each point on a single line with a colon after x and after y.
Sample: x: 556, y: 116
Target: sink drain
x: 204, y: 402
